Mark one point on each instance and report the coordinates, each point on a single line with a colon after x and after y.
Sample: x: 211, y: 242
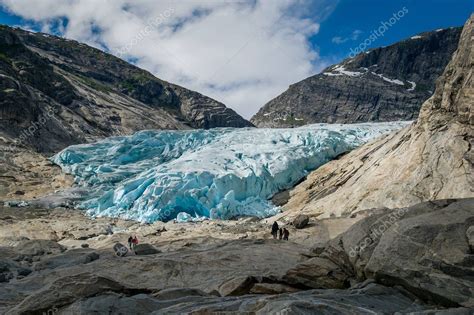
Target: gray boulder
x: 300, y: 221
x: 318, y: 273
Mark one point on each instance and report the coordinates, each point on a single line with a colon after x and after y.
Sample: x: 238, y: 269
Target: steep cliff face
x: 432, y: 159
x: 383, y: 84
x: 56, y: 92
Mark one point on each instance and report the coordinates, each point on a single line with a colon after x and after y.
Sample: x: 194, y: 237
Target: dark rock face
x: 383, y: 84
x: 56, y: 92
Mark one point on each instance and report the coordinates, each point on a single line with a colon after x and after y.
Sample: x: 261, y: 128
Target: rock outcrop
x: 384, y: 84
x: 368, y: 300
x: 56, y: 92
x: 431, y: 159
x: 423, y: 249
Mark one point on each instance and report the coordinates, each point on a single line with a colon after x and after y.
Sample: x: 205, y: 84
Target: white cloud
x: 242, y: 53
x: 341, y: 40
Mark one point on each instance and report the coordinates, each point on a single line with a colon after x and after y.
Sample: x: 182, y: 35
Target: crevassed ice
x: 220, y: 173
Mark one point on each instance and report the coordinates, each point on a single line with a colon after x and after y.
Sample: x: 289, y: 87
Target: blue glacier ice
x: 219, y: 173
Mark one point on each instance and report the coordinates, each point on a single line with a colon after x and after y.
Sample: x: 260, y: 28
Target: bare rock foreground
x: 405, y: 260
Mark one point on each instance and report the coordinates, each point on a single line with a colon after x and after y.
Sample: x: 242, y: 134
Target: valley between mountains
x: 380, y: 214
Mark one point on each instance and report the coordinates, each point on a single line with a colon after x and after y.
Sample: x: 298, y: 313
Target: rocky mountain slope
x: 383, y: 84
x: 56, y: 92
x: 431, y: 159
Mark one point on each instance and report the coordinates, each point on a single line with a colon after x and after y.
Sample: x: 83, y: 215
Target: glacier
x: 220, y: 173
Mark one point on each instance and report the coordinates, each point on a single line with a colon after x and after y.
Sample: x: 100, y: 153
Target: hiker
x: 130, y: 242
x: 286, y: 234
x: 274, y: 230
x: 135, y: 241
x: 280, y: 234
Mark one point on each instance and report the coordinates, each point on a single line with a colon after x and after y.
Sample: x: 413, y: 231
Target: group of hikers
x: 281, y: 233
x: 132, y: 241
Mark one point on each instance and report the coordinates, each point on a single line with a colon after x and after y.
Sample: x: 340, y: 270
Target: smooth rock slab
x: 373, y: 298
x: 145, y: 249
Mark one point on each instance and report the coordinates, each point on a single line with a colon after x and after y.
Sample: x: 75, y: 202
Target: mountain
x: 431, y: 159
x: 384, y: 84
x: 56, y: 92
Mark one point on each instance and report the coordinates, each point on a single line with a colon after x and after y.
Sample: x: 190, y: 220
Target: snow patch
x: 413, y: 86
x: 416, y: 37
x: 394, y: 81
x: 330, y: 74
x: 340, y: 70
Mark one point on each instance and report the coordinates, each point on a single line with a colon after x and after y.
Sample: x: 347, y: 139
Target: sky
x: 240, y: 52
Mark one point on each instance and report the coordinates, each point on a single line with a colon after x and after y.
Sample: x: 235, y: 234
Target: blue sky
x: 366, y: 15
x: 243, y: 52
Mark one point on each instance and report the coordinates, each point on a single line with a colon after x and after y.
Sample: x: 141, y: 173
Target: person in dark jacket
x: 280, y: 234
x: 275, y: 230
x: 130, y: 242
x: 286, y: 234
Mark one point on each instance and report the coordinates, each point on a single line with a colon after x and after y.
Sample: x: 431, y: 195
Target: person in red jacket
x: 135, y: 241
